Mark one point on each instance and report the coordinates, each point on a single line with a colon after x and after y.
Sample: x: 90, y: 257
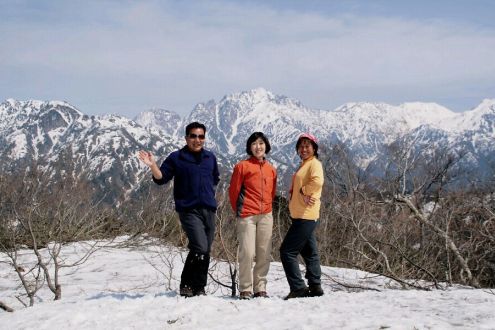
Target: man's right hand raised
x: 146, y: 157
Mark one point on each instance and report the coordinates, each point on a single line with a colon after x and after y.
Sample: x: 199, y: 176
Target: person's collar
x: 186, y: 148
x: 256, y: 160
x: 307, y: 160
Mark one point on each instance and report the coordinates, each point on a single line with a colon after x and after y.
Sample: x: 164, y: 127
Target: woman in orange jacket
x: 251, y: 192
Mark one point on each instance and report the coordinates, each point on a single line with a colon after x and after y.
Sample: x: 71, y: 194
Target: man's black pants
x: 199, y: 225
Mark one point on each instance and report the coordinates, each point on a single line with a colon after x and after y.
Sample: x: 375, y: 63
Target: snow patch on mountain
x: 160, y: 119
x: 479, y: 119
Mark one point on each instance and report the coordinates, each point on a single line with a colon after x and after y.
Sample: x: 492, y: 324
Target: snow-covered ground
x: 130, y: 287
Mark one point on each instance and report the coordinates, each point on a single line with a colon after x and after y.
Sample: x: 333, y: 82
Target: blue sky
x: 128, y: 56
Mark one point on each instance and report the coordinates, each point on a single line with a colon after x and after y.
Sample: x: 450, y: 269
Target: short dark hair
x: 255, y: 136
x: 194, y: 125
x: 315, y: 146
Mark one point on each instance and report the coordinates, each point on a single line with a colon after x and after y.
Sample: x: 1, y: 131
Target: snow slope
x: 129, y: 288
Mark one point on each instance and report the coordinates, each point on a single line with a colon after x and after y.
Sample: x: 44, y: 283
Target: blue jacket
x: 195, y: 178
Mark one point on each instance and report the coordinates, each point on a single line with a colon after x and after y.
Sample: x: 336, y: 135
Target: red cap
x: 308, y: 136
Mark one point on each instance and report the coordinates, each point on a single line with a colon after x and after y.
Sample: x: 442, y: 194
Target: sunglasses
x: 193, y: 136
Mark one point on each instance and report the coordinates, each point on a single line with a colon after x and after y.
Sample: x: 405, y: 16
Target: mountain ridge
x: 104, y: 147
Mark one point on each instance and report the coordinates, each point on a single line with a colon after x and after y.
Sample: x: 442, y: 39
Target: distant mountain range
x: 103, y: 148
x: 365, y: 129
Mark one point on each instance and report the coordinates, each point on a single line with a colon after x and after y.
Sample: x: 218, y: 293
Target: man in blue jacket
x: 195, y: 174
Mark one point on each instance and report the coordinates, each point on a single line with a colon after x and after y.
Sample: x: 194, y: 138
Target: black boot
x: 299, y: 293
x: 186, y: 291
x: 199, y: 292
x: 201, y: 263
x: 186, y: 277
x: 315, y: 290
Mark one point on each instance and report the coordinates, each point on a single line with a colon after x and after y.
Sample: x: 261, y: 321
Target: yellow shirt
x: 309, y: 180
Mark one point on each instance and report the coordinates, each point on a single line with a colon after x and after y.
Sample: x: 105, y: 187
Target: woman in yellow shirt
x: 304, y: 207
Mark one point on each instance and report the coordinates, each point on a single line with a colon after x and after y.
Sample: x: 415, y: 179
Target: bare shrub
x: 45, y: 216
x: 414, y: 223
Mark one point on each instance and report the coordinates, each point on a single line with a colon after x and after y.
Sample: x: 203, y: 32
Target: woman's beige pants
x: 254, y: 234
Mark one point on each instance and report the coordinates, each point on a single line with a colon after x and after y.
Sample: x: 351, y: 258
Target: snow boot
x: 245, y: 295
x: 299, y: 293
x: 315, y: 290
x: 201, y: 265
x: 187, y: 272
x: 199, y: 291
x: 186, y: 291
x: 261, y: 294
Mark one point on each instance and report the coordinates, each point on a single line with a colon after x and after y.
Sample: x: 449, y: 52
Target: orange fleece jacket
x: 252, y: 187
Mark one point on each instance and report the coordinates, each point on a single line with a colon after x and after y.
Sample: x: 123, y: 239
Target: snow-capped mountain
x: 103, y: 148
x: 365, y: 129
x: 471, y: 134
x: 160, y: 119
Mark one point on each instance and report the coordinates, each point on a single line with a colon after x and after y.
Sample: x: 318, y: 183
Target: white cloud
x: 175, y: 55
